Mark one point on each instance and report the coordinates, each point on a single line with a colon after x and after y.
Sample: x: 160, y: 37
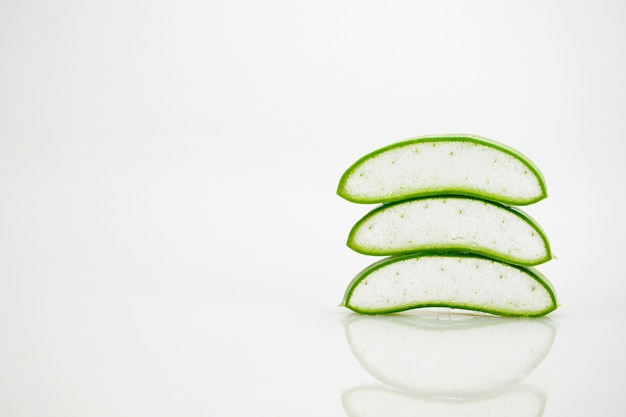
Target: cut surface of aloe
x: 451, y: 164
x: 451, y: 223
x: 469, y: 282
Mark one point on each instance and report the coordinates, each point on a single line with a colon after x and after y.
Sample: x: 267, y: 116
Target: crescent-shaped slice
x: 451, y: 223
x: 469, y: 282
x: 436, y: 165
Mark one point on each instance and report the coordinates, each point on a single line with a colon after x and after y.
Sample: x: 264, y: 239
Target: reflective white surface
x: 170, y: 240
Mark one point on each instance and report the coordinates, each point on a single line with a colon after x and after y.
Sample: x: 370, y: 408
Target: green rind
x: 449, y: 248
x: 535, y: 274
x: 341, y: 188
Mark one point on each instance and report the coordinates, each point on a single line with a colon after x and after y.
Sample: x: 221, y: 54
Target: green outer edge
x: 536, y: 275
x: 489, y: 254
x: 447, y: 138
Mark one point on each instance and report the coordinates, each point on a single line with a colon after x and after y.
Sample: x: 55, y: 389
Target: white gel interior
x: 450, y: 223
x: 463, y: 281
x: 445, y: 165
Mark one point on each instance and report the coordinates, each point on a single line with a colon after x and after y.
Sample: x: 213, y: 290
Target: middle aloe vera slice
x: 451, y: 223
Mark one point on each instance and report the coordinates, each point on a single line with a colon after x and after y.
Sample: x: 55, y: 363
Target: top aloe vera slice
x: 436, y: 165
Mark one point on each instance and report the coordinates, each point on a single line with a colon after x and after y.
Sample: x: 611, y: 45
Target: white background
x: 170, y: 238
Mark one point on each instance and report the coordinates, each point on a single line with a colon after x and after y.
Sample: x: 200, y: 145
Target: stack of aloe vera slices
x: 450, y: 226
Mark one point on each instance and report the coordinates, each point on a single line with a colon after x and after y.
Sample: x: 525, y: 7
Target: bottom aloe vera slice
x: 450, y: 280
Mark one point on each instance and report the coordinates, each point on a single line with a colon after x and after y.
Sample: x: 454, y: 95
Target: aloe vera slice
x: 451, y: 223
x: 469, y: 282
x: 436, y: 165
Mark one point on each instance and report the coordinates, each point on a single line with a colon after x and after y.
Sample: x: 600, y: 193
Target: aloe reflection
x: 469, y: 362
x: 383, y: 401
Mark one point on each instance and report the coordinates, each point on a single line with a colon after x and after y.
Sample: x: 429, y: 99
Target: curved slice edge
x: 532, y: 273
x: 342, y: 189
